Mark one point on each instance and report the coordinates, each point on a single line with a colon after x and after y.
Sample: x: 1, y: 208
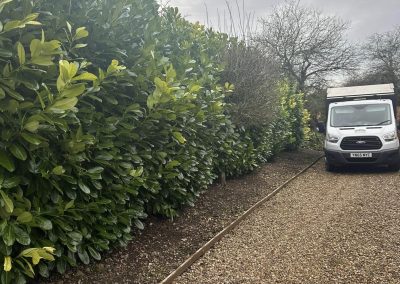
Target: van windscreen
x: 361, y: 115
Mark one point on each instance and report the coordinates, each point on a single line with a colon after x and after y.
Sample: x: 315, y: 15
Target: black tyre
x: 329, y: 167
x: 394, y: 167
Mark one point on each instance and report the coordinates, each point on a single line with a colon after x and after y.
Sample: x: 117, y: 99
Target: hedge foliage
x: 109, y: 111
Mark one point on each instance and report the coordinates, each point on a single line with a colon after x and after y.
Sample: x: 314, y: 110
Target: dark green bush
x: 110, y: 111
x: 295, y: 116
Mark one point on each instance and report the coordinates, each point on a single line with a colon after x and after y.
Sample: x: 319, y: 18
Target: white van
x: 361, y: 127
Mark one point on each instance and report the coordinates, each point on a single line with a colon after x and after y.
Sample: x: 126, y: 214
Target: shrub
x: 108, y: 112
x: 295, y: 116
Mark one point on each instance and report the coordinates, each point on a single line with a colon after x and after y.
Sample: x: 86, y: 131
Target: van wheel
x: 329, y: 167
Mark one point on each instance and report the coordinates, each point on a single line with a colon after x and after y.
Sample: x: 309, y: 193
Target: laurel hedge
x: 110, y: 111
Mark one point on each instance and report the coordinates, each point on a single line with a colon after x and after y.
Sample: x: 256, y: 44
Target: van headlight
x: 390, y: 136
x: 332, y: 138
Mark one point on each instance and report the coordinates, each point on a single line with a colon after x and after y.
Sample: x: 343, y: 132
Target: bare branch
x: 307, y: 43
x: 383, y: 52
x: 255, y: 77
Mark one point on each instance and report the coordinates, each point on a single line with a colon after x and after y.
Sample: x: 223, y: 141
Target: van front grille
x: 361, y: 160
x: 361, y: 143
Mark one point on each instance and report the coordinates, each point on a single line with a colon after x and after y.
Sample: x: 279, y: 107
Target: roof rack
x: 360, y: 92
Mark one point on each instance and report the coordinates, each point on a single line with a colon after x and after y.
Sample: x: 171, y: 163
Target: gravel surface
x: 322, y: 228
x: 164, y: 244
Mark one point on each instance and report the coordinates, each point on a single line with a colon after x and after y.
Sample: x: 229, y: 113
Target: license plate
x: 360, y: 155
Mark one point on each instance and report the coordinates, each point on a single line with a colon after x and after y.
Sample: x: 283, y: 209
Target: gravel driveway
x: 322, y: 228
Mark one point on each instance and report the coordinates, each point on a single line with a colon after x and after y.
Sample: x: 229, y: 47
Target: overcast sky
x: 366, y: 16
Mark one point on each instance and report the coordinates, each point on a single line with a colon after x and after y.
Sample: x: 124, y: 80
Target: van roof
x: 361, y: 91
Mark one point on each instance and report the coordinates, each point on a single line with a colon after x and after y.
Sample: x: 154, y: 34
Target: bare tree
x: 369, y: 76
x: 255, y: 77
x: 308, y: 44
x: 383, y: 50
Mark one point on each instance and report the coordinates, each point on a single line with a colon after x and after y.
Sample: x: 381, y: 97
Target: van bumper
x: 387, y: 157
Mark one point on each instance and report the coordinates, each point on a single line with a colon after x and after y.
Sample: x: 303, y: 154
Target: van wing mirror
x: 321, y: 127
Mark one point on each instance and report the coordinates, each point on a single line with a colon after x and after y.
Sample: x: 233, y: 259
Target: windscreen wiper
x: 383, y: 122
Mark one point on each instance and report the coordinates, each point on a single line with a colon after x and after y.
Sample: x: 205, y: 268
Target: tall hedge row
x: 109, y: 111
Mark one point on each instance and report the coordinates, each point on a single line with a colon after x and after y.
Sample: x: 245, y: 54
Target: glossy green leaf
x: 80, y: 45
x: 34, y: 23
x: 11, y: 182
x: 44, y: 270
x: 96, y: 170
x: 58, y: 170
x: 94, y: 253
x: 24, y: 217
x: 83, y: 256
x: 69, y: 27
x: 32, y: 126
x: 7, y: 263
x: 35, y: 257
x: 83, y: 187
x: 45, y: 255
x: 81, y: 33
x: 195, y: 88
x: 8, y: 203
x: 61, y: 266
x: 43, y: 223
x: 19, y: 152
x: 42, y: 60
x: 139, y: 224
x: 6, y: 161
x: 11, y: 25
x: 31, y: 138
x: 73, y: 91
x: 14, y: 94
x: 35, y: 47
x: 85, y: 77
x: 21, y: 53
x: 172, y: 164
x: 137, y: 172
x: 69, y: 205
x: 3, y: 3
x: 21, y: 236
x: 63, y: 105
x: 9, y: 235
x: 178, y: 136
x: 76, y: 236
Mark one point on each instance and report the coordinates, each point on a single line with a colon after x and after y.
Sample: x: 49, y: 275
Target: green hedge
x: 109, y: 111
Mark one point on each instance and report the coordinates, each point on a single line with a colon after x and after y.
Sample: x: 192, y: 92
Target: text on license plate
x: 360, y: 155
